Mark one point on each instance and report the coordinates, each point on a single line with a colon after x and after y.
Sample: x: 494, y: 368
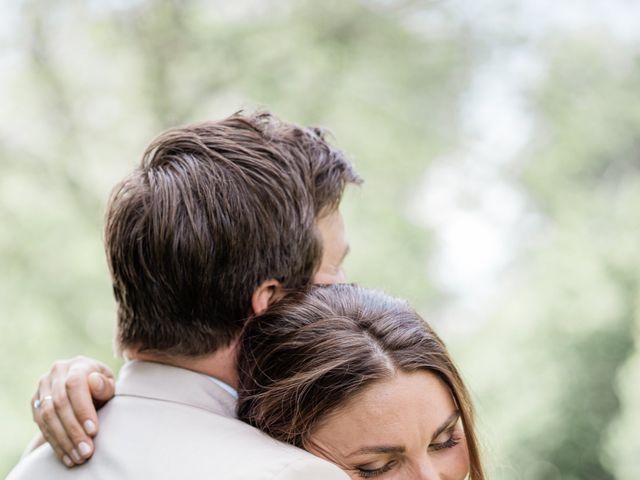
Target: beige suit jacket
x: 170, y: 423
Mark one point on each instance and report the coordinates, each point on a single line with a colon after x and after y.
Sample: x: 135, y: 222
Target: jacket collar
x: 173, y: 384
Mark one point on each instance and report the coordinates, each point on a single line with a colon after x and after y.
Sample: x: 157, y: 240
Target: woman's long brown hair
x: 316, y: 349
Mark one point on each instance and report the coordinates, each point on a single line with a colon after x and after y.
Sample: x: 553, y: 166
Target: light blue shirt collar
x: 226, y: 387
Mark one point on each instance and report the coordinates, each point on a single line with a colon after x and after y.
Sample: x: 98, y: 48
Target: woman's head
x: 359, y: 378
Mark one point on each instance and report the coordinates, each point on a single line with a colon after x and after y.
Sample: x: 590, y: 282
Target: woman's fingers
x: 44, y: 414
x: 75, y: 385
x: 64, y: 409
x: 58, y: 438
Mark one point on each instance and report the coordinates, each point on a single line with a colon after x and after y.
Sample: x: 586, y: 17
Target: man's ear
x: 265, y: 294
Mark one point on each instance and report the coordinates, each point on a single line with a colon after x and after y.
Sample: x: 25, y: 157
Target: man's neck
x: 220, y: 365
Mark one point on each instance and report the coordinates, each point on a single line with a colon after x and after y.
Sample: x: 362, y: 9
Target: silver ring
x: 38, y: 402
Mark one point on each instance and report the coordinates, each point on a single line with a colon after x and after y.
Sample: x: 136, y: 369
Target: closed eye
x: 451, y: 442
x: 375, y: 472
x: 444, y: 436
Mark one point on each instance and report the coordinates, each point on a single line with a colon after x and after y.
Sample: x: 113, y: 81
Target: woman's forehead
x: 407, y: 406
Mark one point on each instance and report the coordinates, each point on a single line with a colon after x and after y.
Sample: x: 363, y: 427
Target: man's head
x: 214, y: 212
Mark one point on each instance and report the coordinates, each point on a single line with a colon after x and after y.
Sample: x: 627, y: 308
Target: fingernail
x: 67, y: 461
x: 90, y: 427
x: 75, y: 455
x: 84, y: 448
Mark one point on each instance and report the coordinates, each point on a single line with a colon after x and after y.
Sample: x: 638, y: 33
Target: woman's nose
x: 426, y: 470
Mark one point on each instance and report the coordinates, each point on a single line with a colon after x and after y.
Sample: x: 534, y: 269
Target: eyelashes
x: 378, y: 471
x: 450, y: 443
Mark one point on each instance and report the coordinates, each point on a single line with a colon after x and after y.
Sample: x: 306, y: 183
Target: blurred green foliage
x: 555, y: 366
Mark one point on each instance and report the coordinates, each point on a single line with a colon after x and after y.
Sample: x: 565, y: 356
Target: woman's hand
x: 65, y: 404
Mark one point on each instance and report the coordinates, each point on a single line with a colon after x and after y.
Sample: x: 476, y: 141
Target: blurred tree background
x: 499, y: 141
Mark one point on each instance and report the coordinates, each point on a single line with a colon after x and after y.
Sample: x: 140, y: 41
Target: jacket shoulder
x: 275, y: 460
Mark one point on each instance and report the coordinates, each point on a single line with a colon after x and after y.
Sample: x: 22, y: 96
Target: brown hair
x: 213, y: 210
x: 317, y: 349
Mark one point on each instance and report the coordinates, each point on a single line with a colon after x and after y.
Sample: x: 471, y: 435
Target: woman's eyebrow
x: 377, y: 449
x: 453, y: 418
